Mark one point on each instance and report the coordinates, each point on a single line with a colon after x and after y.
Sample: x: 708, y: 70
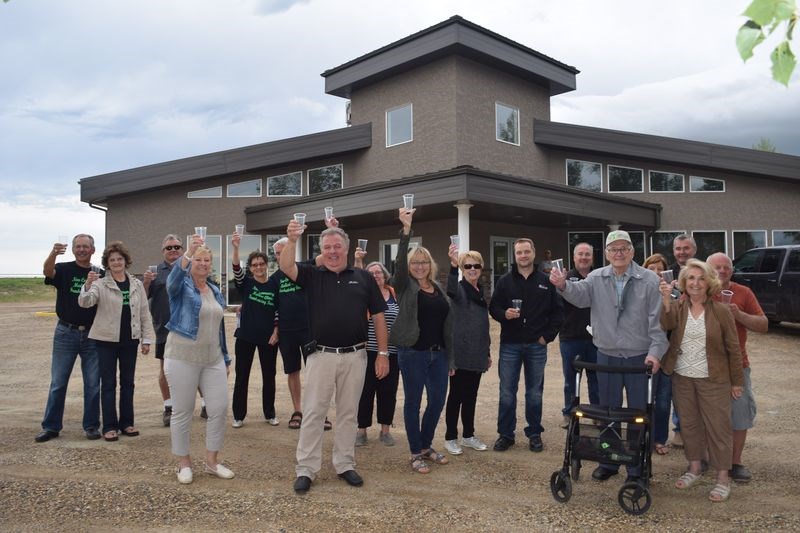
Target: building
x: 460, y: 117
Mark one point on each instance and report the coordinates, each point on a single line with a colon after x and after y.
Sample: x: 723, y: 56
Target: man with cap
x: 625, y: 305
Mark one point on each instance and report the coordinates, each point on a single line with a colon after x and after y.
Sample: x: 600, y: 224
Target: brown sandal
x: 130, y: 431
x: 111, y: 436
x: 295, y: 420
x: 418, y: 465
x: 435, y: 456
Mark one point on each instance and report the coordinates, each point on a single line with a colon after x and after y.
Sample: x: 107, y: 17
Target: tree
x: 765, y: 145
x: 767, y: 15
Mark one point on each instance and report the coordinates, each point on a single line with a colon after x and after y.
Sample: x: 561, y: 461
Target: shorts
x: 160, y: 350
x: 289, y: 343
x: 743, y: 410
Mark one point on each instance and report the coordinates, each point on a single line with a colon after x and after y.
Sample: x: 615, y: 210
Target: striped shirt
x: 392, y: 308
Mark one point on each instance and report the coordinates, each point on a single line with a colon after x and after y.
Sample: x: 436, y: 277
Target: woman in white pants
x: 193, y: 357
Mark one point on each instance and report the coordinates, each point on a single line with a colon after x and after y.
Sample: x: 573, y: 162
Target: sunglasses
x: 171, y: 247
x: 470, y: 266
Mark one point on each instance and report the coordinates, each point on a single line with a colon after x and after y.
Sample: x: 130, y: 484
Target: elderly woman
x: 422, y: 333
x: 122, y: 321
x: 383, y: 391
x: 470, y: 348
x: 193, y: 357
x: 706, y: 367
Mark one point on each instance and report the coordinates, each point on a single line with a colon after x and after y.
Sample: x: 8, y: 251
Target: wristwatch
x: 386, y: 354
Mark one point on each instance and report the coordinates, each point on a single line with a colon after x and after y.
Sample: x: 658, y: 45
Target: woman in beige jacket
x: 121, y: 323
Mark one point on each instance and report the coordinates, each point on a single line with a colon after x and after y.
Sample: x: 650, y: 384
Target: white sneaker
x: 452, y: 447
x: 273, y: 421
x: 474, y: 443
x: 238, y: 423
x: 185, y: 475
x: 220, y: 471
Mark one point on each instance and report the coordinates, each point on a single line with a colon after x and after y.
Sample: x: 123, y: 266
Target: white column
x: 463, y: 224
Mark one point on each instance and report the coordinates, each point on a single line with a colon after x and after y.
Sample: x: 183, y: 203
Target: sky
x: 97, y: 86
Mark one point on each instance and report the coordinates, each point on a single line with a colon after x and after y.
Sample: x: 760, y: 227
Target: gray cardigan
x: 471, y: 330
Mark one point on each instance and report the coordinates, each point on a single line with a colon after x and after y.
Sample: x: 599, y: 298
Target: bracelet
x: 385, y: 354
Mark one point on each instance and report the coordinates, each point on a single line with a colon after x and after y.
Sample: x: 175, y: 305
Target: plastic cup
x: 300, y: 218
x: 362, y: 243
x: 516, y: 304
x: 153, y: 268
x: 726, y: 296
x: 456, y: 239
x: 667, y: 276
x: 408, y: 202
x: 63, y: 239
x: 239, y: 229
x: 328, y: 213
x: 200, y: 230
x: 558, y: 264
x: 94, y: 268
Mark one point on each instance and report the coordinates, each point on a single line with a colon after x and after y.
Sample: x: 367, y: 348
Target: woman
x: 384, y: 391
x: 422, y: 333
x: 122, y: 321
x: 257, y: 329
x: 706, y: 367
x: 193, y: 356
x: 470, y: 346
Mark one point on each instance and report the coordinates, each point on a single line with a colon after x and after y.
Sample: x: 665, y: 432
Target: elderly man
x: 574, y: 339
x: 626, y: 305
x: 71, y: 339
x: 748, y: 315
x: 340, y: 297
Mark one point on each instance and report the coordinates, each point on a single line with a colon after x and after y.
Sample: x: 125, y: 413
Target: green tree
x: 765, y: 16
x: 765, y: 145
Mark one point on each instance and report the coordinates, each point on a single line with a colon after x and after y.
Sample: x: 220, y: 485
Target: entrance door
x: 502, y: 256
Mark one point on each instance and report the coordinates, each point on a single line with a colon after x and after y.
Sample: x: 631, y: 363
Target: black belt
x: 343, y: 349
x: 72, y: 326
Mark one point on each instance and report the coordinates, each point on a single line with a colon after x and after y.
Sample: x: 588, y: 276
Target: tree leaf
x: 749, y: 36
x: 783, y: 63
x: 763, y: 12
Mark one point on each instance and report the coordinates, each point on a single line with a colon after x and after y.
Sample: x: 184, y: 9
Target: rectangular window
x: 273, y: 261
x: 249, y: 243
x: 314, y: 248
x: 593, y: 238
x: 506, y: 120
x: 746, y: 240
x: 661, y: 243
x: 285, y: 185
x: 698, y: 184
x: 710, y: 242
x: 625, y: 179
x: 213, y: 192
x: 585, y: 175
x: 781, y: 237
x: 248, y: 189
x: 665, y: 181
x: 639, y: 247
x: 399, y: 125
x: 325, y: 179
x: 793, y: 264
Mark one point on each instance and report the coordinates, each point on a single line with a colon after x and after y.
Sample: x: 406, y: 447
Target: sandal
x: 435, y: 456
x: 327, y: 426
x: 687, y: 480
x: 418, y: 465
x: 295, y: 420
x: 662, y: 449
x: 130, y: 431
x: 720, y: 492
x: 111, y: 436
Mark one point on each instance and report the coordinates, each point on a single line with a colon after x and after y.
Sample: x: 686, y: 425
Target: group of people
x: 357, y: 333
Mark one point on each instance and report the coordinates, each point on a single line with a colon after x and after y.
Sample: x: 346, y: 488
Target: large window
x: 745, y: 240
x: 625, y: 179
x: 285, y: 185
x: 593, y: 238
x: 325, y: 179
x: 248, y: 189
x: 781, y: 237
x: 585, y: 175
x: 661, y: 243
x: 665, y: 181
x: 506, y: 120
x: 639, y: 246
x: 212, y: 192
x: 698, y: 184
x: 248, y: 244
x: 399, y: 125
x: 710, y: 242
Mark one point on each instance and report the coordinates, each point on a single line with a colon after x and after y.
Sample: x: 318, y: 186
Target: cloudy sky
x: 95, y: 86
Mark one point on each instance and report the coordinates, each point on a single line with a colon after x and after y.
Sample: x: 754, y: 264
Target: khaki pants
x: 327, y: 373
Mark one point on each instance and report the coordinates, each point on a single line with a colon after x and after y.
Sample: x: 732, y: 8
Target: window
x: 285, y: 185
x: 314, y: 248
x: 748, y: 262
x: 698, y: 184
x: 243, y: 189
x: 745, y: 240
x: 781, y: 237
x: 625, y: 179
x: 273, y: 261
x: 710, y: 242
x: 793, y: 264
x: 661, y: 243
x: 639, y: 248
x: 506, y: 119
x: 585, y: 175
x: 249, y: 243
x: 213, y: 192
x: 772, y: 260
x: 399, y: 125
x: 665, y: 182
x: 324, y: 179
x: 593, y: 238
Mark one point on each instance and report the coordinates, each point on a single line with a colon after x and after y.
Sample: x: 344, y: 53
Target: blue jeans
x: 68, y: 343
x: 109, y: 353
x: 422, y: 370
x: 514, y: 356
x: 662, y: 408
x: 588, y: 353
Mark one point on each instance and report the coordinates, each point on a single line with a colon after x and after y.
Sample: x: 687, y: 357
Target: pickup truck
x: 773, y: 274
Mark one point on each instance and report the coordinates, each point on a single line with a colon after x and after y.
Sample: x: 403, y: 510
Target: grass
x: 20, y: 290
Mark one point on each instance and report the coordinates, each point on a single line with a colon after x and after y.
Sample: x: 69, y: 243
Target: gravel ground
x: 71, y: 484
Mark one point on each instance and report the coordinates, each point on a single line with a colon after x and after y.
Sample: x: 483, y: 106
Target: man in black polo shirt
x: 340, y: 297
x: 71, y: 339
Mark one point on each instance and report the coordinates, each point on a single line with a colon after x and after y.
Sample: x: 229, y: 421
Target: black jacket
x: 575, y: 318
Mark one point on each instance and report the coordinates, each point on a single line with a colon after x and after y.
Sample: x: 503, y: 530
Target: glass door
x: 502, y: 256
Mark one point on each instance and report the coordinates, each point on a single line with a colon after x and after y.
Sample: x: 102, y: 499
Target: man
x: 748, y: 315
x: 156, y: 287
x: 626, y: 306
x: 683, y: 248
x: 525, y: 331
x: 71, y: 339
x: 340, y: 297
x: 574, y: 339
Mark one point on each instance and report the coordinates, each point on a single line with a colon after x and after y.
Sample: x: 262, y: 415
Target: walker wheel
x: 561, y: 486
x: 634, y: 498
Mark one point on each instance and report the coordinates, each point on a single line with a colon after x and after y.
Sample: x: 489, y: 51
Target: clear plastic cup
x: 362, y: 243
x: 667, y: 276
x: 516, y: 303
x: 300, y: 218
x: 408, y: 202
x: 239, y: 229
x: 328, y: 213
x: 63, y: 239
x: 558, y: 264
x: 456, y: 239
x: 200, y: 230
x: 153, y: 268
x: 726, y: 296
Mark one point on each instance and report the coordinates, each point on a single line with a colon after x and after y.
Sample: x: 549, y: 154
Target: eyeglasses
x: 470, y: 266
x: 171, y: 247
x: 258, y: 265
x: 419, y: 263
x: 616, y: 251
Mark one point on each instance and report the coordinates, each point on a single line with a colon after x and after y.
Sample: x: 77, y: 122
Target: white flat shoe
x: 273, y: 421
x: 185, y: 475
x: 220, y: 471
x: 237, y: 423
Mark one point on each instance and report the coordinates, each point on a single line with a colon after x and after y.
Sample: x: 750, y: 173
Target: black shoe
x: 204, y: 413
x: 46, y: 435
x: 93, y: 434
x: 166, y: 416
x: 536, y: 444
x: 352, y: 478
x: 601, y: 474
x: 302, y: 484
x: 503, y: 443
x: 740, y: 474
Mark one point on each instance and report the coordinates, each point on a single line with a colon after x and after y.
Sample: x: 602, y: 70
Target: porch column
x: 463, y: 224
